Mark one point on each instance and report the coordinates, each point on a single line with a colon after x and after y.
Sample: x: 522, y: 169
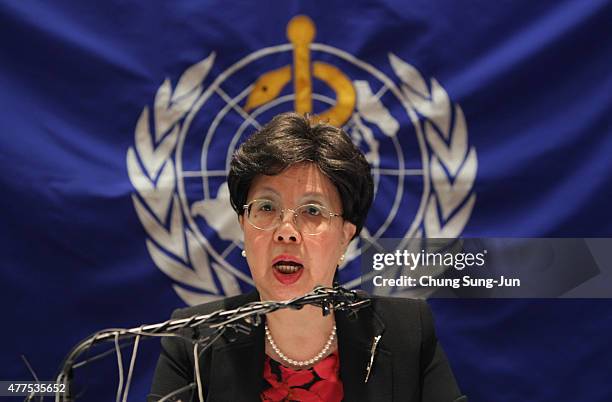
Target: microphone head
x: 361, y: 294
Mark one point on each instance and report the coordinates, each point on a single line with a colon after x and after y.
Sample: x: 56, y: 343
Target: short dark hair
x: 289, y: 139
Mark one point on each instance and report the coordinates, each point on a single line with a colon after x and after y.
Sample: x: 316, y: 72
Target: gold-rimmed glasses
x: 309, y: 219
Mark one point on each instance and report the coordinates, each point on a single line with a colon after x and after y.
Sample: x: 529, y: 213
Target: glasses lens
x: 263, y: 214
x: 312, y: 218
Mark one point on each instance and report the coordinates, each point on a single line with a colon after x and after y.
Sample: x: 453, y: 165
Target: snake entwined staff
x: 241, y: 319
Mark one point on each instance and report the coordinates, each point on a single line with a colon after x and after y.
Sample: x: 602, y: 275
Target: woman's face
x: 285, y: 262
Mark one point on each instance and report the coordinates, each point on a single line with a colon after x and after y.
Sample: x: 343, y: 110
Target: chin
x: 286, y: 292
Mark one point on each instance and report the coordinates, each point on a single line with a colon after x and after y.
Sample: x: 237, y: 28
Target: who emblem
x: 414, y: 137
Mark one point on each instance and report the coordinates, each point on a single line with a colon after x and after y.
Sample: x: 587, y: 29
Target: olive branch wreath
x: 173, y: 247
x: 176, y: 251
x: 453, y: 164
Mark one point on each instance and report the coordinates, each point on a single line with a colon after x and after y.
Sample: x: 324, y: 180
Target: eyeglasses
x: 309, y: 219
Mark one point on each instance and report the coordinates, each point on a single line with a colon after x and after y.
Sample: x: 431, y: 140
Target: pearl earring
x: 342, y: 258
x: 243, y: 253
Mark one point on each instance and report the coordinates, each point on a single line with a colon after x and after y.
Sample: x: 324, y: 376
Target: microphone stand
x: 241, y: 319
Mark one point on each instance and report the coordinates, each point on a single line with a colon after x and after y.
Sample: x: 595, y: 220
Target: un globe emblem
x: 413, y: 136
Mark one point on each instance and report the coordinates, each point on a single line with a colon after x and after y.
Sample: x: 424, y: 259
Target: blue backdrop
x: 480, y: 119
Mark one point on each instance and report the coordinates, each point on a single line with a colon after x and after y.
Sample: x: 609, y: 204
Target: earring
x: 342, y: 258
x: 243, y: 253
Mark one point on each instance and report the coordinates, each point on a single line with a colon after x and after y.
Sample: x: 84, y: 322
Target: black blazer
x: 409, y: 364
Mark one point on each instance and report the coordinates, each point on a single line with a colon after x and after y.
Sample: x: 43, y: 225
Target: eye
x: 266, y: 206
x: 313, y: 210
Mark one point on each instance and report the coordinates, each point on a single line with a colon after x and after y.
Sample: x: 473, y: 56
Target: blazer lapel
x: 356, y: 336
x: 237, y: 363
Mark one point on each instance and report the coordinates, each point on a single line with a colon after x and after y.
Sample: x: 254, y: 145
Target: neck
x: 299, y: 334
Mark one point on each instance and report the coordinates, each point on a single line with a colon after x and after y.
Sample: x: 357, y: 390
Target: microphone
x: 241, y: 319
x: 340, y: 299
x: 361, y: 294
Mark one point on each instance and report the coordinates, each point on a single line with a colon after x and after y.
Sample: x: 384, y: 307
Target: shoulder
x: 398, y: 304
x: 408, y: 322
x: 398, y: 310
x: 176, y: 348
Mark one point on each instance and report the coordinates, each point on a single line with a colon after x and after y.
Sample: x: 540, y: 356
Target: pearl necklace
x: 302, y: 363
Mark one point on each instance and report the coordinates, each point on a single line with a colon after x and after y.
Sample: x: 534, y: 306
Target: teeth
x: 287, y: 269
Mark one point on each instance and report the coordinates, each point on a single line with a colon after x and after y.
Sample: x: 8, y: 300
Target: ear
x: 348, y: 230
x: 241, y: 221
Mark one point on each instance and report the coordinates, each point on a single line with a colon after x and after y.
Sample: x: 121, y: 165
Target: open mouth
x: 287, y: 267
x: 287, y: 272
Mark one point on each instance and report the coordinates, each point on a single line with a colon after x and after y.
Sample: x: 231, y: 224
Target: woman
x: 302, y: 191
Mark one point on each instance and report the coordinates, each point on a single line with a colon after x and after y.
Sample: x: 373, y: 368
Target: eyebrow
x: 307, y: 197
x: 314, y: 196
x: 268, y: 190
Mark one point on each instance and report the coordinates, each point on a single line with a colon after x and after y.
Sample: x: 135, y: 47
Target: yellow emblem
x: 301, y: 32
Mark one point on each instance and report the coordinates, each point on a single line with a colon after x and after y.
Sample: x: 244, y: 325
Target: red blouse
x: 320, y: 383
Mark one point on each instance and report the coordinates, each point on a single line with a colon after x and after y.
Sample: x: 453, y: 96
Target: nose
x: 287, y: 231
